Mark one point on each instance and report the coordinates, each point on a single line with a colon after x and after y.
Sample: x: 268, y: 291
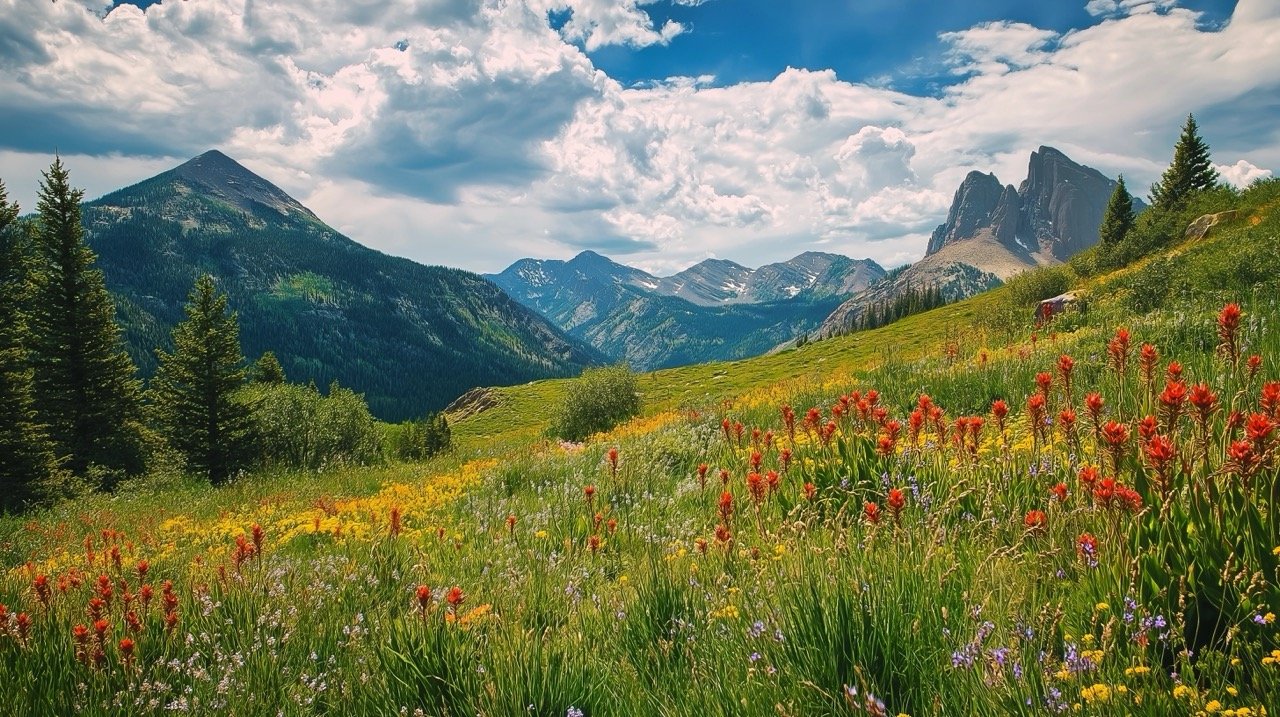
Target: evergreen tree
x: 85, y: 388
x: 1118, y: 219
x: 1190, y: 172
x: 267, y: 369
x: 194, y: 387
x: 26, y: 460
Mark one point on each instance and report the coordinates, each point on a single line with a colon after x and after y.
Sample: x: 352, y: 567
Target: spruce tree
x: 194, y: 386
x: 267, y: 370
x: 1189, y: 173
x: 1118, y: 219
x: 85, y: 388
x: 26, y: 460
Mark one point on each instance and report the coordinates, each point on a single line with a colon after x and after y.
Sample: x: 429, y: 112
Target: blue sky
x: 472, y: 133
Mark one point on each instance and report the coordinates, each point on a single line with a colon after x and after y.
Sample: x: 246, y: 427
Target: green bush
x: 1030, y: 287
x: 596, y: 401
x: 298, y: 427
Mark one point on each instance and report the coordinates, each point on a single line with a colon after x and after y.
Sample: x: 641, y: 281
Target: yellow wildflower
x: 1182, y: 692
x: 1101, y: 607
x: 1213, y: 706
x: 1098, y: 693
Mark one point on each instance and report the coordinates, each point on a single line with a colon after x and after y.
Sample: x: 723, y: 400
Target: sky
x: 472, y: 133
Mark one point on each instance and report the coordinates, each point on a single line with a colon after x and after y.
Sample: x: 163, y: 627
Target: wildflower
x: 1116, y: 435
x: 1036, y: 415
x: 722, y: 534
x: 1204, y: 401
x: 423, y: 594
x: 100, y: 627
x: 1173, y: 371
x: 897, y: 501
x: 1035, y: 520
x: 455, y: 597
x: 1148, y: 357
x: 142, y: 567
x: 23, y: 622
x: 1093, y: 406
x: 1254, y: 365
x: 1059, y: 492
x: 1171, y: 401
x: 613, y: 461
x: 726, y: 507
x: 1270, y: 399
x: 395, y: 521
x: 1159, y: 452
x: 593, y: 543
x: 700, y: 544
x: 1228, y: 325
x: 1087, y: 548
x: 785, y: 456
x: 756, y: 486
x: 1044, y: 380
x: 1067, y: 421
x: 1258, y: 429
x: 702, y: 475
x: 1118, y: 350
x: 126, y: 649
x: 612, y: 526
x: 1065, y: 366
x: 589, y: 493
x: 40, y: 586
x: 511, y: 524
x: 810, y: 491
x: 256, y: 531
x: 773, y: 480
x: 872, y: 512
x: 1147, y: 429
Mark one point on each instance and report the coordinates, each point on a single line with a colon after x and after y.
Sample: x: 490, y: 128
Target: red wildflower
x: 613, y: 461
x: 810, y: 491
x: 1036, y: 414
x: 700, y: 544
x: 1066, y: 365
x: 589, y: 493
x: 145, y: 593
x: 1115, y: 435
x: 1254, y: 364
x: 1067, y: 421
x: 593, y: 544
x: 511, y: 524
x: 724, y: 477
x: 914, y: 423
x: 126, y: 649
x: 872, y: 512
x: 395, y: 521
x: 884, y: 445
x: 722, y: 534
x: 756, y: 459
x: 1044, y: 380
x: 142, y: 568
x: 612, y: 526
x: 101, y: 626
x: 1204, y: 401
x: 726, y: 507
x: 455, y: 597
x: 1270, y: 400
x: 41, y: 588
x: 785, y: 456
x: 1147, y: 428
x: 1258, y: 430
x: 1087, y: 546
x: 256, y: 531
x: 1172, y: 400
x: 1148, y: 357
x: 726, y: 427
x: 1241, y: 459
x: 1093, y: 404
x: 1035, y: 520
x: 702, y: 475
x: 773, y: 480
x: 897, y: 501
x: 1174, y: 371
x: 1059, y: 491
x: 755, y: 484
x: 1105, y: 491
x: 1118, y: 351
x: 1228, y: 327
x: 1129, y: 498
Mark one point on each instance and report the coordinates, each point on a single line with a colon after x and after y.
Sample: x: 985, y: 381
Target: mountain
x: 993, y: 231
x: 713, y: 310
x: 410, y: 337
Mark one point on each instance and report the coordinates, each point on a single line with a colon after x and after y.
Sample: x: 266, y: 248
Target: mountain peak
x: 223, y: 178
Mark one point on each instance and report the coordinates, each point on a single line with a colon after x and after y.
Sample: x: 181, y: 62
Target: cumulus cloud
x: 473, y: 132
x: 1242, y: 173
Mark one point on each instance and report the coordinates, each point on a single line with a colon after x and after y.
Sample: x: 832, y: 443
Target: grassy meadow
x: 956, y: 514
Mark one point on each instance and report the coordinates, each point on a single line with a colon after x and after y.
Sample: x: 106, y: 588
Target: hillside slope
x: 410, y: 337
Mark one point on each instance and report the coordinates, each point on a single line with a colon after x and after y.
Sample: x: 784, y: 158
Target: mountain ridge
x: 410, y: 337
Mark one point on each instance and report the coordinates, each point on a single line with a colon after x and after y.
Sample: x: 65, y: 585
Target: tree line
x: 73, y: 413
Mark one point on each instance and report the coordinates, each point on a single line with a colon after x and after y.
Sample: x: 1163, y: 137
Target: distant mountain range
x: 994, y: 231
x: 410, y: 337
x: 716, y: 309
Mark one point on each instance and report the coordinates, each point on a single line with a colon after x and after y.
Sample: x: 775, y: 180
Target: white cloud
x: 1242, y: 173
x: 470, y: 132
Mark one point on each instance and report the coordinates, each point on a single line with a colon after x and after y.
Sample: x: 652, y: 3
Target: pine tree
x: 1190, y: 172
x: 1118, y: 219
x: 194, y: 386
x: 27, y: 458
x: 85, y: 388
x: 267, y: 370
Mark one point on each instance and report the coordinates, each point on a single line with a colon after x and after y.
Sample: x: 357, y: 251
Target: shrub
x: 1031, y: 287
x: 298, y: 427
x: 596, y: 401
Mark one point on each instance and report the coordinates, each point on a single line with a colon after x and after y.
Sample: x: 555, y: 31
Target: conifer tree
x: 267, y: 370
x: 194, y: 386
x: 26, y: 460
x: 85, y: 388
x: 1190, y: 172
x: 1118, y: 219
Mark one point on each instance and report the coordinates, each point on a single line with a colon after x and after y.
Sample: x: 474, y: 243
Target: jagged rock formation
x: 993, y: 231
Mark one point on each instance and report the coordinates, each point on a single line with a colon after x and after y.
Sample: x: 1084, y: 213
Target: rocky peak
x: 221, y: 177
x: 971, y: 210
x: 1055, y: 212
